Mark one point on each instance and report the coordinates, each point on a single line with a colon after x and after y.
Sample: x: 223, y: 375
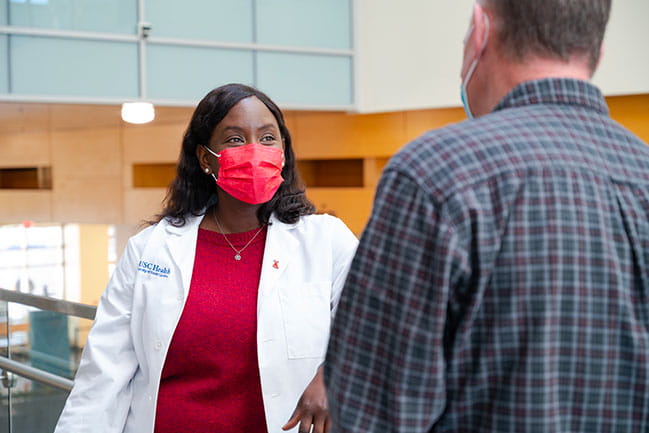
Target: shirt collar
x: 564, y: 91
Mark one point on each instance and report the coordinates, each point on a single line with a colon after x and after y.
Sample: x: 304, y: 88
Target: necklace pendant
x: 237, y: 257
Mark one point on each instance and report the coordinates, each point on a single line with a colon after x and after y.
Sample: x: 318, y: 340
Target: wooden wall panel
x: 152, y: 143
x: 87, y: 176
x: 142, y: 204
x: 420, y: 121
x: 632, y: 112
x: 96, y: 200
x: 92, y: 153
x: 352, y: 205
x: 175, y: 115
x: 153, y: 175
x: 86, y: 153
x: 24, y: 149
x: 332, y: 172
x: 18, y: 206
x: 19, y: 117
x: 339, y: 135
x: 372, y: 168
x: 74, y: 116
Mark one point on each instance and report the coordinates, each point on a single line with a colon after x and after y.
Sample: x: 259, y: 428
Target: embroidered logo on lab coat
x: 153, y: 269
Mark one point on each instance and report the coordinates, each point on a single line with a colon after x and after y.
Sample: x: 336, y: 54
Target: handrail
x: 36, y: 374
x: 50, y: 304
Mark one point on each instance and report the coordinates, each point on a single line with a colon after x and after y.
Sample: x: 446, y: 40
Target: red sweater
x: 210, y: 380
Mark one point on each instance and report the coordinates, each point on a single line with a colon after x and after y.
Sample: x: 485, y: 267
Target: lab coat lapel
x: 182, y: 247
x: 281, y: 245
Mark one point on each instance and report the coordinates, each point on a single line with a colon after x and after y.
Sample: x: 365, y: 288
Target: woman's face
x: 248, y: 121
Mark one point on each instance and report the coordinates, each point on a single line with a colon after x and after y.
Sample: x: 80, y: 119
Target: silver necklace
x: 237, y: 253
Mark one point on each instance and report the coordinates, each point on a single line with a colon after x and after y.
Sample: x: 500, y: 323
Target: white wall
x: 409, y: 52
x: 624, y: 68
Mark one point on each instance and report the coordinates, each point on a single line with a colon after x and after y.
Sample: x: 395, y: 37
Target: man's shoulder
x: 470, y: 135
x: 521, y: 140
x: 449, y: 157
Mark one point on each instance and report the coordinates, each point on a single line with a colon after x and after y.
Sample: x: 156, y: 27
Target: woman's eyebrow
x: 233, y: 128
x: 267, y: 126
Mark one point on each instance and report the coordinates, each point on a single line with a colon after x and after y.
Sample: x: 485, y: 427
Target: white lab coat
x: 303, y: 270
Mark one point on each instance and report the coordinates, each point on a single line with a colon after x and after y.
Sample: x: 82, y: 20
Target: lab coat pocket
x: 306, y: 315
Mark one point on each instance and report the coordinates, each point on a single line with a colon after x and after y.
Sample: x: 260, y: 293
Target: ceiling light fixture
x: 138, y: 112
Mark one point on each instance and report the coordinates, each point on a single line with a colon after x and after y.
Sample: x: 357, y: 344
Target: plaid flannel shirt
x: 502, y: 281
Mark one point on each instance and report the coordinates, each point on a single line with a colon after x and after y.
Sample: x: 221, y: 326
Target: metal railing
x: 50, y: 304
x: 68, y: 308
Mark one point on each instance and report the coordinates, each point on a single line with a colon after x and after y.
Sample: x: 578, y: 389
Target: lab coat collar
x: 279, y: 250
x: 182, y: 247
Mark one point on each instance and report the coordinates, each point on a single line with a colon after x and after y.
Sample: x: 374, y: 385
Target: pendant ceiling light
x: 137, y: 112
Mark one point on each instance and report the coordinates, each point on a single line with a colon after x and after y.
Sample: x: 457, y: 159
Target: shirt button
x: 180, y: 297
x: 150, y: 398
x: 158, y: 345
x: 275, y: 394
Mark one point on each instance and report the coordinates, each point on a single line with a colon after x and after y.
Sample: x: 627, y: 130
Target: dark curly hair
x: 191, y: 192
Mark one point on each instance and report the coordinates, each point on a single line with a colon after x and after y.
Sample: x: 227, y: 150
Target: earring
x: 207, y: 169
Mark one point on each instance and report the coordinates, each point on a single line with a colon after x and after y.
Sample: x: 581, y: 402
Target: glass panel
x: 35, y: 407
x: 305, y: 79
x: 3, y: 12
x: 5, y: 391
x: 38, y: 339
x: 73, y: 67
x: 215, y: 20
x: 4, y: 62
x: 310, y: 23
x: 31, y: 259
x: 112, y: 16
x: 189, y: 73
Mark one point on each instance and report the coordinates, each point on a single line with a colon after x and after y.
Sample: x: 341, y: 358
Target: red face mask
x: 251, y: 173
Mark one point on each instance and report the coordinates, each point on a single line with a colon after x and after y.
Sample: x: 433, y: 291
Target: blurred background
x: 357, y: 79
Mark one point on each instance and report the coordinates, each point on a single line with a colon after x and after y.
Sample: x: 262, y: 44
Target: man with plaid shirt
x: 502, y: 281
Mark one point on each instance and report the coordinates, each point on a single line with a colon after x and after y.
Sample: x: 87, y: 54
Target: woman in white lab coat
x: 217, y: 315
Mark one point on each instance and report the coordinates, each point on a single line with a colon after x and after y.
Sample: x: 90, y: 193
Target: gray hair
x: 551, y: 28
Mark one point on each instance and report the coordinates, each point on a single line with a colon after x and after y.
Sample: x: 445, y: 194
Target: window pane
x: 215, y: 20
x: 4, y: 61
x: 184, y: 73
x: 306, y: 79
x: 3, y: 13
x: 310, y: 23
x: 31, y: 259
x: 73, y: 67
x: 113, y: 16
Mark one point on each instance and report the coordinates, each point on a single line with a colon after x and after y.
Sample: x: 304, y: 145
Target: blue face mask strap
x: 474, y: 63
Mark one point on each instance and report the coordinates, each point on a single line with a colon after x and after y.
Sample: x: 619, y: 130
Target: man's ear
x: 475, y: 38
x: 480, y: 22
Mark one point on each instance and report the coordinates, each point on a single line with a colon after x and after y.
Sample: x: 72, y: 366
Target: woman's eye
x: 234, y: 140
x: 268, y: 138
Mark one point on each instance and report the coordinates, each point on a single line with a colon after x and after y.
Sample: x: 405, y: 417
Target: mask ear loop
x: 218, y: 155
x: 482, y: 47
x: 474, y: 64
